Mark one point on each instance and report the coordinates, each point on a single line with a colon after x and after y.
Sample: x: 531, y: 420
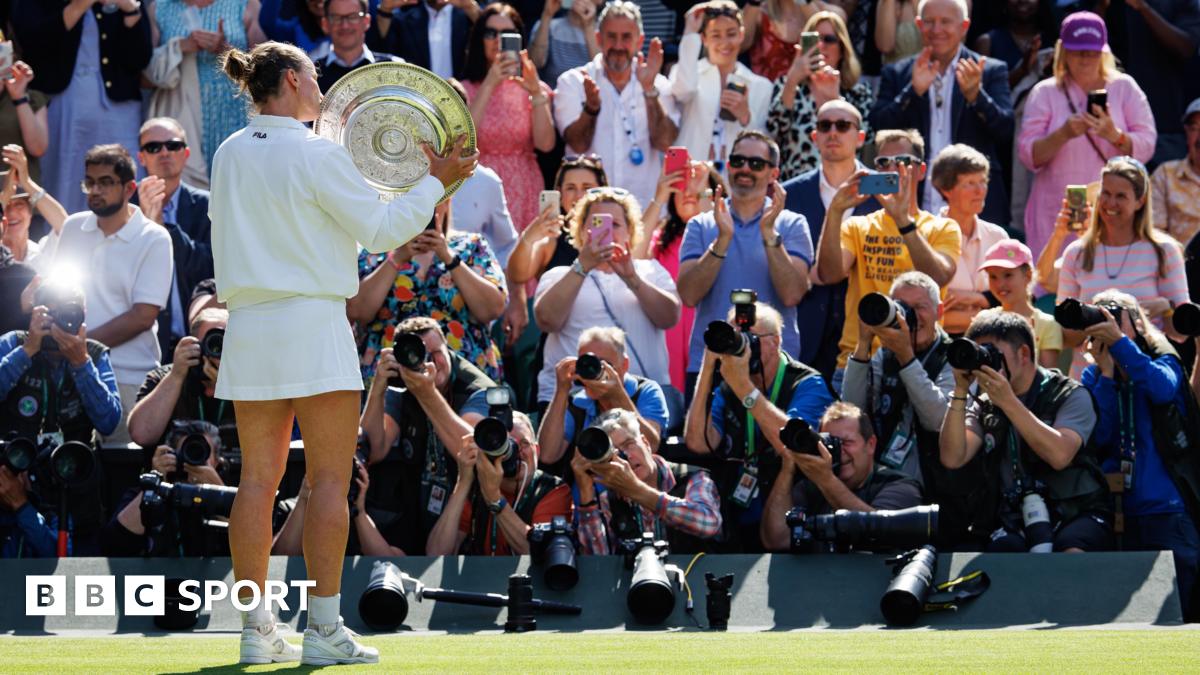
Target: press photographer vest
x: 624, y: 516
x: 1079, y: 488
x: 39, y: 398
x: 482, y: 520
x: 579, y: 415
x: 815, y: 503
x: 893, y: 400
x: 1177, y: 432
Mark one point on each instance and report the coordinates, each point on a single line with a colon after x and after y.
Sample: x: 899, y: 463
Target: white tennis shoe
x: 264, y: 644
x: 331, y: 644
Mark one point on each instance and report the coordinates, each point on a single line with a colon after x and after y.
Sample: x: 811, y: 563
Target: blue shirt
x: 745, y: 266
x: 95, y: 382
x: 29, y: 534
x: 651, y: 404
x: 809, y: 401
x: 1156, y: 382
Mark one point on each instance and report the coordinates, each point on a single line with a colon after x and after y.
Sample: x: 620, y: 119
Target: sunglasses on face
x: 494, y: 33
x: 824, y: 126
x: 893, y: 161
x: 344, y: 19
x: 831, y: 39
x: 155, y: 147
x: 756, y: 163
x: 105, y: 183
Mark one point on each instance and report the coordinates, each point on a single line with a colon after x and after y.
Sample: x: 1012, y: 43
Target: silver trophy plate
x: 382, y: 112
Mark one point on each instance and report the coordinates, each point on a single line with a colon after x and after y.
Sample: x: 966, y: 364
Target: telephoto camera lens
x: 492, y: 437
x: 593, y: 443
x: 73, y: 463
x: 194, y: 450
x: 651, y: 597
x: 213, y: 343
x: 589, y: 367
x: 797, y: 436
x: 384, y: 605
x: 18, y: 454
x: 905, y: 596
x: 1075, y: 315
x: 1186, y: 319
x: 552, y: 545
x: 905, y: 527
x: 966, y: 354
x: 722, y: 338
x: 409, y: 350
x: 1039, y: 536
x: 877, y: 309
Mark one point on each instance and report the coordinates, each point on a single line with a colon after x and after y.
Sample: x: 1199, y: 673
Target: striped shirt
x: 565, y: 49
x: 697, y: 514
x: 658, y: 21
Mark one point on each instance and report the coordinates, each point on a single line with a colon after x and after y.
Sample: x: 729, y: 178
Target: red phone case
x: 677, y: 159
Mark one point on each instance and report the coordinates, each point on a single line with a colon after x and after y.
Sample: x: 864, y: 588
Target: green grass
x: 1143, y: 651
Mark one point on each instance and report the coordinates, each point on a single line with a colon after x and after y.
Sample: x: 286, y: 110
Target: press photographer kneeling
x: 180, y: 507
x: 1026, y: 431
x: 183, y: 389
x: 642, y: 492
x: 760, y: 388
x: 837, y: 471
x: 500, y: 493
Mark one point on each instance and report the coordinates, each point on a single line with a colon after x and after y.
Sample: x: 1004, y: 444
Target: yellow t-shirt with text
x: 880, y: 256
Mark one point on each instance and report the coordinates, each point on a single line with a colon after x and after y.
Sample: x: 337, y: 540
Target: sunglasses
x: 831, y: 39
x: 155, y: 147
x: 889, y: 162
x: 609, y: 190
x: 720, y: 11
x: 492, y: 33
x: 824, y: 126
x: 591, y: 159
x: 344, y: 19
x: 756, y: 163
x: 105, y: 183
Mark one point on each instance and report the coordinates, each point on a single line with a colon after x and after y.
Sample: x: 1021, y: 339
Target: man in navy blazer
x: 408, y: 34
x: 838, y: 137
x: 183, y: 211
x: 951, y: 95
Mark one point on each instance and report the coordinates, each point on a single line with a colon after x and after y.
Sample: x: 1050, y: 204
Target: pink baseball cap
x: 1007, y: 253
x: 1084, y: 31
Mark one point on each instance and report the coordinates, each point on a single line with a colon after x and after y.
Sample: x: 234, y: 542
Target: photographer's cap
x: 1007, y: 253
x: 1192, y: 109
x: 1084, y: 32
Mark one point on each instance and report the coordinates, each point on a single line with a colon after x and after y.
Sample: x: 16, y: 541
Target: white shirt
x: 441, y: 58
x: 479, y: 206
x: 132, y: 266
x: 828, y: 191
x: 696, y: 86
x: 940, y: 128
x: 289, y: 210
x: 621, y: 125
x: 967, y: 276
x: 589, y: 310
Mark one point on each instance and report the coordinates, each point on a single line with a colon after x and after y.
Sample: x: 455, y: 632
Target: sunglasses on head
x: 720, y: 11
x: 155, y: 147
x: 889, y: 162
x: 609, y: 190
x: 756, y: 163
x: 824, y: 126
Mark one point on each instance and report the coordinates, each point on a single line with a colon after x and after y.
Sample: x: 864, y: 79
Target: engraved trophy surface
x: 381, y: 114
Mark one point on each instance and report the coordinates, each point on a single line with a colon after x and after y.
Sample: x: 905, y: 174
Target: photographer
x: 906, y: 385
x: 571, y: 411
x: 52, y: 380
x: 742, y: 424
x: 491, y: 511
x: 183, y: 389
x: 183, y: 532
x: 828, y: 483
x: 1032, y: 425
x: 643, y: 493
x: 421, y: 426
x: 25, y: 530
x: 1144, y: 399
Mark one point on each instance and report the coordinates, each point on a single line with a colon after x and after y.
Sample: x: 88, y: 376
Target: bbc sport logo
x: 145, y: 595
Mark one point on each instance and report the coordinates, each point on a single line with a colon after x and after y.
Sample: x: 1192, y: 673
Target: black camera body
x: 878, y: 310
x: 722, y: 338
x: 553, y: 545
x: 64, y: 303
x: 213, y: 343
x: 965, y: 354
x: 160, y: 497
x: 409, y: 350
x: 797, y: 436
x: 491, y: 433
x: 1075, y: 315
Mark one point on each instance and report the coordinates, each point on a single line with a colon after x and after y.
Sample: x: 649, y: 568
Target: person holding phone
x: 1063, y: 140
x: 774, y: 28
x: 510, y: 106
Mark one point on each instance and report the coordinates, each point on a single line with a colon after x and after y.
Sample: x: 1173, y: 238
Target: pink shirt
x: 1077, y: 162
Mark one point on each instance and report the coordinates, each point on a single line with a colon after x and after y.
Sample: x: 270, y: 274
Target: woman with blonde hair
x: 1065, y: 141
x: 773, y: 29
x: 1121, y: 248
x: 607, y: 286
x: 828, y: 71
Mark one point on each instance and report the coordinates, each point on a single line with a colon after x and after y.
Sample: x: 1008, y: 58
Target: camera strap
x: 750, y: 454
x: 1075, y: 111
x: 50, y: 412
x: 220, y: 411
x: 1127, y: 432
x: 956, y: 591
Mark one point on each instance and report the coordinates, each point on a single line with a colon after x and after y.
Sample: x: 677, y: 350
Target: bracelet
x: 392, y: 261
x: 911, y: 227
x: 24, y: 100
x: 453, y: 264
x: 540, y: 99
x: 712, y: 249
x: 37, y: 197
x: 652, y: 92
x: 958, y: 398
x: 589, y: 504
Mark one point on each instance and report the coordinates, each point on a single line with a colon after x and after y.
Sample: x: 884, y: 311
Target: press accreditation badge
x: 898, y: 448
x: 437, y: 499
x: 747, y: 486
x: 1127, y: 473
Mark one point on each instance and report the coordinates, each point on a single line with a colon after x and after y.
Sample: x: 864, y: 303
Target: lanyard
x: 493, y: 517
x: 46, y: 399
x: 750, y: 417
x: 1126, y: 429
x: 220, y: 411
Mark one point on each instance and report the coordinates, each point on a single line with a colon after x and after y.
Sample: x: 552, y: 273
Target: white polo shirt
x: 134, y: 265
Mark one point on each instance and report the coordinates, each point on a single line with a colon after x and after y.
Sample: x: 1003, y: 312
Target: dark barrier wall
x: 772, y: 592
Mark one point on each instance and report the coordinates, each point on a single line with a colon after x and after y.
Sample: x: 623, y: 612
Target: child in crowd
x: 1009, y: 268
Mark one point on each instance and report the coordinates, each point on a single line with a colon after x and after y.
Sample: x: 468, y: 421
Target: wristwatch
x: 774, y: 242
x: 498, y: 505
x: 908, y: 228
x: 577, y: 268
x: 751, y: 399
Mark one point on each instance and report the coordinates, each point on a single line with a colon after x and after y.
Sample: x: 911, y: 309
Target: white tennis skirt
x: 288, y: 348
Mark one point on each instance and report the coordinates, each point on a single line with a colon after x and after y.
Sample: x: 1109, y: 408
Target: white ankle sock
x: 259, y: 616
x: 323, y: 611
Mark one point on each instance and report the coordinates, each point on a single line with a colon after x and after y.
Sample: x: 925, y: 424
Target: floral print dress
x: 437, y: 297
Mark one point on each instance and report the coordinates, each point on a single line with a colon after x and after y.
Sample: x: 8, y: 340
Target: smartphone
x: 678, y: 159
x: 6, y: 59
x: 550, y: 197
x: 601, y: 230
x: 1077, y: 203
x: 808, y: 40
x: 432, y: 224
x: 739, y: 87
x: 1098, y: 98
x: 879, y: 183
